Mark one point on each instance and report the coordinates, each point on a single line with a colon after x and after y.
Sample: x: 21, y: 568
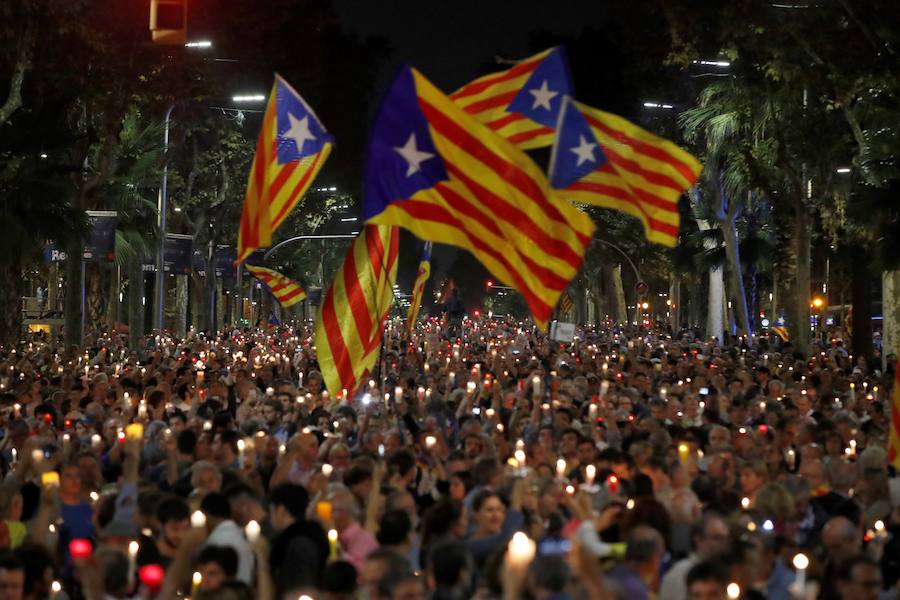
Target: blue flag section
x: 576, y: 151
x: 402, y: 158
x: 300, y: 134
x: 540, y: 99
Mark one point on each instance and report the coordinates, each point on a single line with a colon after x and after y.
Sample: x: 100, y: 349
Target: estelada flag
x: 894, y: 442
x: 435, y: 170
x: 418, y: 291
x: 353, y: 310
x: 521, y: 103
x: 287, y: 291
x: 602, y: 159
x: 291, y: 149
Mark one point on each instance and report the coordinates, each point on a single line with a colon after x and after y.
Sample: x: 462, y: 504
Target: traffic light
x: 489, y: 285
x: 168, y: 21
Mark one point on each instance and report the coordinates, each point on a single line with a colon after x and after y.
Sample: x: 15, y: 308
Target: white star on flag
x: 584, y: 151
x: 413, y: 156
x: 542, y: 96
x: 299, y: 131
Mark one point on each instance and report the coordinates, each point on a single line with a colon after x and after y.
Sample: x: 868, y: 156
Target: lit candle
x: 560, y: 467
x: 198, y: 519
x: 733, y: 590
x: 745, y: 503
x: 195, y: 581
x: 398, y: 393
x: 327, y: 470
x: 683, y: 450
x: 521, y: 550
x: 323, y: 511
x: 430, y: 441
x: 333, y: 544
x: 536, y: 385
x: 241, y: 446
x: 96, y: 440
x: 801, y: 563
x: 520, y: 458
x: 612, y: 482
x: 55, y: 589
x: 791, y: 458
x: 590, y: 472
x: 252, y: 532
x: 852, y: 392
x: 134, y: 431
x: 133, y: 548
x: 15, y: 456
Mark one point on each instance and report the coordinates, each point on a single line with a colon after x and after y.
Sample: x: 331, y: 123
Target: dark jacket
x: 298, y: 556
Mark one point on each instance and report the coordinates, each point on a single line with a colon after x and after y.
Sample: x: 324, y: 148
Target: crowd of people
x: 625, y: 464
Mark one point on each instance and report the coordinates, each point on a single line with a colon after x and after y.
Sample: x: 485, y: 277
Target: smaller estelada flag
x: 291, y: 149
x: 894, y: 443
x: 566, y: 304
x: 287, y: 291
x: 520, y: 104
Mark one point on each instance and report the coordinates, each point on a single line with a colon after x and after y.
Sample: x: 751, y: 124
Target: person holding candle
x: 494, y: 524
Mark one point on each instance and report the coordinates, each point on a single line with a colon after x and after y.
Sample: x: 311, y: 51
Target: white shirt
x: 227, y: 533
x: 674, y: 582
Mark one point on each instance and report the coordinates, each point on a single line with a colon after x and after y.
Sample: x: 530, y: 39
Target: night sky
x: 453, y: 42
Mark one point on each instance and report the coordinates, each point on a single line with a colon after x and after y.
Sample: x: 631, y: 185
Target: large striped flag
x: 521, y: 103
x: 418, y: 291
x: 436, y: 171
x: 604, y: 160
x: 287, y: 291
x: 894, y: 440
x: 353, y: 310
x: 292, y: 147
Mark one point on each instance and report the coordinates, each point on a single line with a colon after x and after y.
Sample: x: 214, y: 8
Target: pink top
x: 356, y: 545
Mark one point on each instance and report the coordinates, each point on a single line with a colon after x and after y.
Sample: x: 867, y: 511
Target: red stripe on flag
x: 510, y: 172
x: 356, y: 297
x: 480, y: 85
x: 291, y: 295
x: 505, y: 120
x: 336, y: 342
x: 502, y: 99
x: 621, y: 195
x: 644, y: 148
x: 509, y: 213
x: 289, y: 205
x: 547, y: 276
x: 524, y: 136
x: 635, y: 167
x: 431, y: 212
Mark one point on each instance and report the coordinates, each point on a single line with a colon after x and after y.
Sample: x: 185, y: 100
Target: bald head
x: 841, y: 539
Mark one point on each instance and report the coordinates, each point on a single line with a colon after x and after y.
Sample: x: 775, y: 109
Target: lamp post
x: 161, y: 223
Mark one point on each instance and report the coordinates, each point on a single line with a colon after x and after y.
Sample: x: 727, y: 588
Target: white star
x: 299, y: 131
x: 413, y: 156
x: 542, y: 96
x: 584, y: 150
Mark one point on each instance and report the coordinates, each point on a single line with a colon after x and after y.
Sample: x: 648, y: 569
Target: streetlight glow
x: 658, y: 105
x: 199, y: 44
x: 249, y: 98
x: 712, y: 63
x: 842, y: 170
